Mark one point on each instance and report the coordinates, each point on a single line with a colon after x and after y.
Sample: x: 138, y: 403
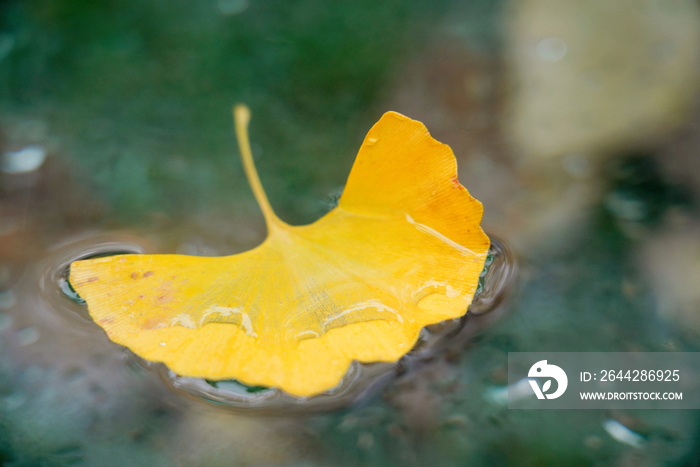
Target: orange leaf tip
x: 402, y: 250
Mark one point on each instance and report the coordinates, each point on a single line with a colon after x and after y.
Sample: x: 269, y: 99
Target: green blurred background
x: 145, y: 90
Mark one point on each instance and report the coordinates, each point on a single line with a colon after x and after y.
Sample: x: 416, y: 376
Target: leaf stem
x: 241, y: 118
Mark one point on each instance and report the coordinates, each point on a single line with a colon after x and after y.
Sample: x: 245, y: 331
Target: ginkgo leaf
x: 403, y: 249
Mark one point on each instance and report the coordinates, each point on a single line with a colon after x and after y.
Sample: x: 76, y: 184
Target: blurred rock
x: 599, y: 75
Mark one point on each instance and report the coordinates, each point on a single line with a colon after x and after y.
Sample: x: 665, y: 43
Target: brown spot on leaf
x: 163, y: 298
x: 134, y: 275
x: 148, y: 274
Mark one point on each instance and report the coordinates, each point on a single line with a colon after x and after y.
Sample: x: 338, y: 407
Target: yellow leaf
x: 402, y: 250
